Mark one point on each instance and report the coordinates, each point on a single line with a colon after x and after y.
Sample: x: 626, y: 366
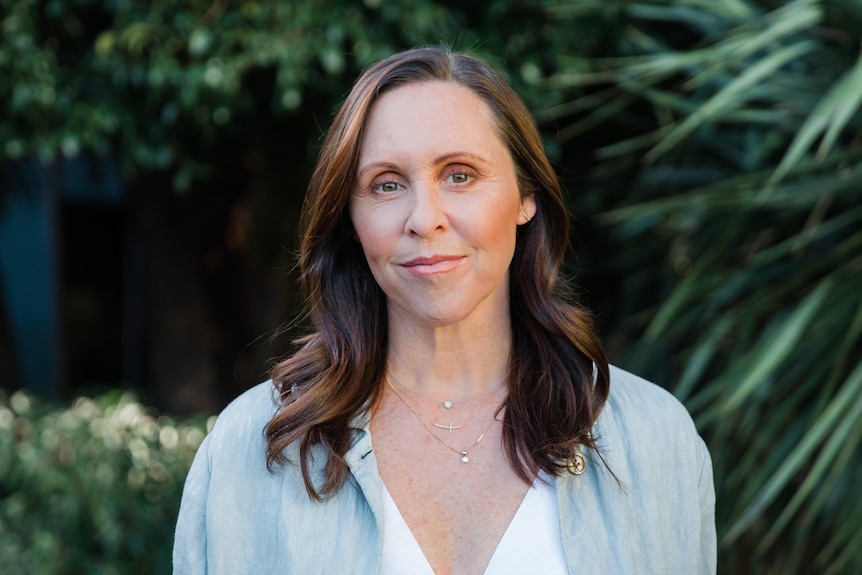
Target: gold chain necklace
x: 464, y: 453
x: 446, y: 403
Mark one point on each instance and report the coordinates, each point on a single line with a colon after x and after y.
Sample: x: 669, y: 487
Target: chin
x: 448, y: 316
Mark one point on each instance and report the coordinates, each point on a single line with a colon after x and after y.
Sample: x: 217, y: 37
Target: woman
x: 454, y: 411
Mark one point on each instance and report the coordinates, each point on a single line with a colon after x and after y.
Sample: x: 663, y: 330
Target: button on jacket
x: 236, y: 517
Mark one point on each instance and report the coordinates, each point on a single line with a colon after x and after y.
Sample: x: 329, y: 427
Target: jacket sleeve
x: 708, y: 544
x: 190, y: 538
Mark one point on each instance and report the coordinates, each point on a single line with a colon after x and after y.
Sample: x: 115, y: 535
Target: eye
x: 388, y: 187
x: 459, y: 175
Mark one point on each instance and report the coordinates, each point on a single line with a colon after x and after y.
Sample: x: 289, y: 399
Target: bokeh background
x: 153, y: 161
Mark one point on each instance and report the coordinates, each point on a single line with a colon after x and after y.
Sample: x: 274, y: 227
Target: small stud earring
x: 526, y: 217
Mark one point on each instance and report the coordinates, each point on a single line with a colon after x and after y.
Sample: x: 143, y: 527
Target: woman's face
x: 436, y: 205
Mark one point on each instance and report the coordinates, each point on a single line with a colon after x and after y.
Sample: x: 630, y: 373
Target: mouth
x: 432, y: 265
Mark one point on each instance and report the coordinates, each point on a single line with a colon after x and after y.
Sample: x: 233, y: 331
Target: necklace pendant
x: 447, y: 405
x: 464, y: 458
x: 451, y: 427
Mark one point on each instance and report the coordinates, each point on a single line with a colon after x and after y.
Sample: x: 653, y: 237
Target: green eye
x: 389, y: 187
x: 459, y: 178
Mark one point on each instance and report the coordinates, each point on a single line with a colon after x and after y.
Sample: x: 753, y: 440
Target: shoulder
x: 649, y: 498
x: 255, y: 405
x: 643, y: 427
x: 649, y: 441
x: 637, y: 404
x: 239, y: 428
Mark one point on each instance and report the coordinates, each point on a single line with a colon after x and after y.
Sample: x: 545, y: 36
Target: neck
x: 451, y: 361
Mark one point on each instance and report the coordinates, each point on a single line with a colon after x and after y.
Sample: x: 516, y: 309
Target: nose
x: 427, y: 211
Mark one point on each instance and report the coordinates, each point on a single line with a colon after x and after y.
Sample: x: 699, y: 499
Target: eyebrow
x: 373, y: 166
x: 453, y: 155
x: 437, y: 161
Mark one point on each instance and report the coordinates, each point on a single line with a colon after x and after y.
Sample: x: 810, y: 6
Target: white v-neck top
x: 532, y: 543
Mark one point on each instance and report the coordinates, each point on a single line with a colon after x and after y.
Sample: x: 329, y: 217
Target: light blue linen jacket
x: 236, y: 517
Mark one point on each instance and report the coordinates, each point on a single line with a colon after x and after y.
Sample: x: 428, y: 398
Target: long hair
x: 558, y: 377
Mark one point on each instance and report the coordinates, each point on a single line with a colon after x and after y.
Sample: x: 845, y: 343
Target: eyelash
x: 378, y: 184
x: 460, y: 171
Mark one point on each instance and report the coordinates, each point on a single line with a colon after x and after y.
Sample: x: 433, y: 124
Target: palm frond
x: 742, y: 128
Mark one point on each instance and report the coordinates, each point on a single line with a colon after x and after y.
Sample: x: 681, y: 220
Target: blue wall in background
x: 29, y: 275
x: 30, y: 257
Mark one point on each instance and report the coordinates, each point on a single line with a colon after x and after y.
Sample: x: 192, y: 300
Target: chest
x: 532, y: 541
x: 457, y: 512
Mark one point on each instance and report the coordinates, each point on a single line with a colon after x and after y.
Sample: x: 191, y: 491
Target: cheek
x: 359, y: 220
x: 499, y: 223
x: 372, y: 234
x: 371, y: 246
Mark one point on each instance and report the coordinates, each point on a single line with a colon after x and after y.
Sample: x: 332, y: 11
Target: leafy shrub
x: 91, y: 488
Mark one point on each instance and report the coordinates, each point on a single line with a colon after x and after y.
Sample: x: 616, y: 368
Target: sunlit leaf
x: 729, y: 96
x: 831, y: 116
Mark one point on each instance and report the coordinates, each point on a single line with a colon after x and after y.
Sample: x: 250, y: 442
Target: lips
x: 435, y: 259
x: 437, y: 263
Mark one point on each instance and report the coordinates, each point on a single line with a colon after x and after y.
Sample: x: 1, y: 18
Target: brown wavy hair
x: 558, y: 377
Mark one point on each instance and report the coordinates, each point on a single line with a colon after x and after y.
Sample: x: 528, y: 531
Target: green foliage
x: 92, y: 488
x: 161, y: 82
x: 164, y: 84
x: 740, y: 135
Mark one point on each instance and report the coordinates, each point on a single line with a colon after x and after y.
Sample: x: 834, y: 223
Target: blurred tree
x: 733, y: 200
x: 165, y: 84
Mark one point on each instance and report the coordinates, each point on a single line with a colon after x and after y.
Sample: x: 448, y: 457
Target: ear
x: 528, y: 209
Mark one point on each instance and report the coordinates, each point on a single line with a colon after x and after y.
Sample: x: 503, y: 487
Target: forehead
x: 426, y: 115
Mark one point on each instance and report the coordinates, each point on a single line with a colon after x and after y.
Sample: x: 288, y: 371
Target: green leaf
x: 773, y: 353
x: 831, y: 115
x: 848, y: 400
x: 848, y: 98
x: 730, y: 96
x: 846, y: 436
x: 703, y: 354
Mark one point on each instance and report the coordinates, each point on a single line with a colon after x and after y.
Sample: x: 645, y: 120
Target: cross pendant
x: 450, y: 427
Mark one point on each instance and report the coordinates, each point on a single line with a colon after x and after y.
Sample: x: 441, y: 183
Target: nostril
x: 427, y: 215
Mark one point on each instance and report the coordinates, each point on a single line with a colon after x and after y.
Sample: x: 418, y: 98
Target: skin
x: 436, y: 207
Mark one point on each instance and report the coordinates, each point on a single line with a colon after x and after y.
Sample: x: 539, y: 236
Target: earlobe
x: 528, y: 210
